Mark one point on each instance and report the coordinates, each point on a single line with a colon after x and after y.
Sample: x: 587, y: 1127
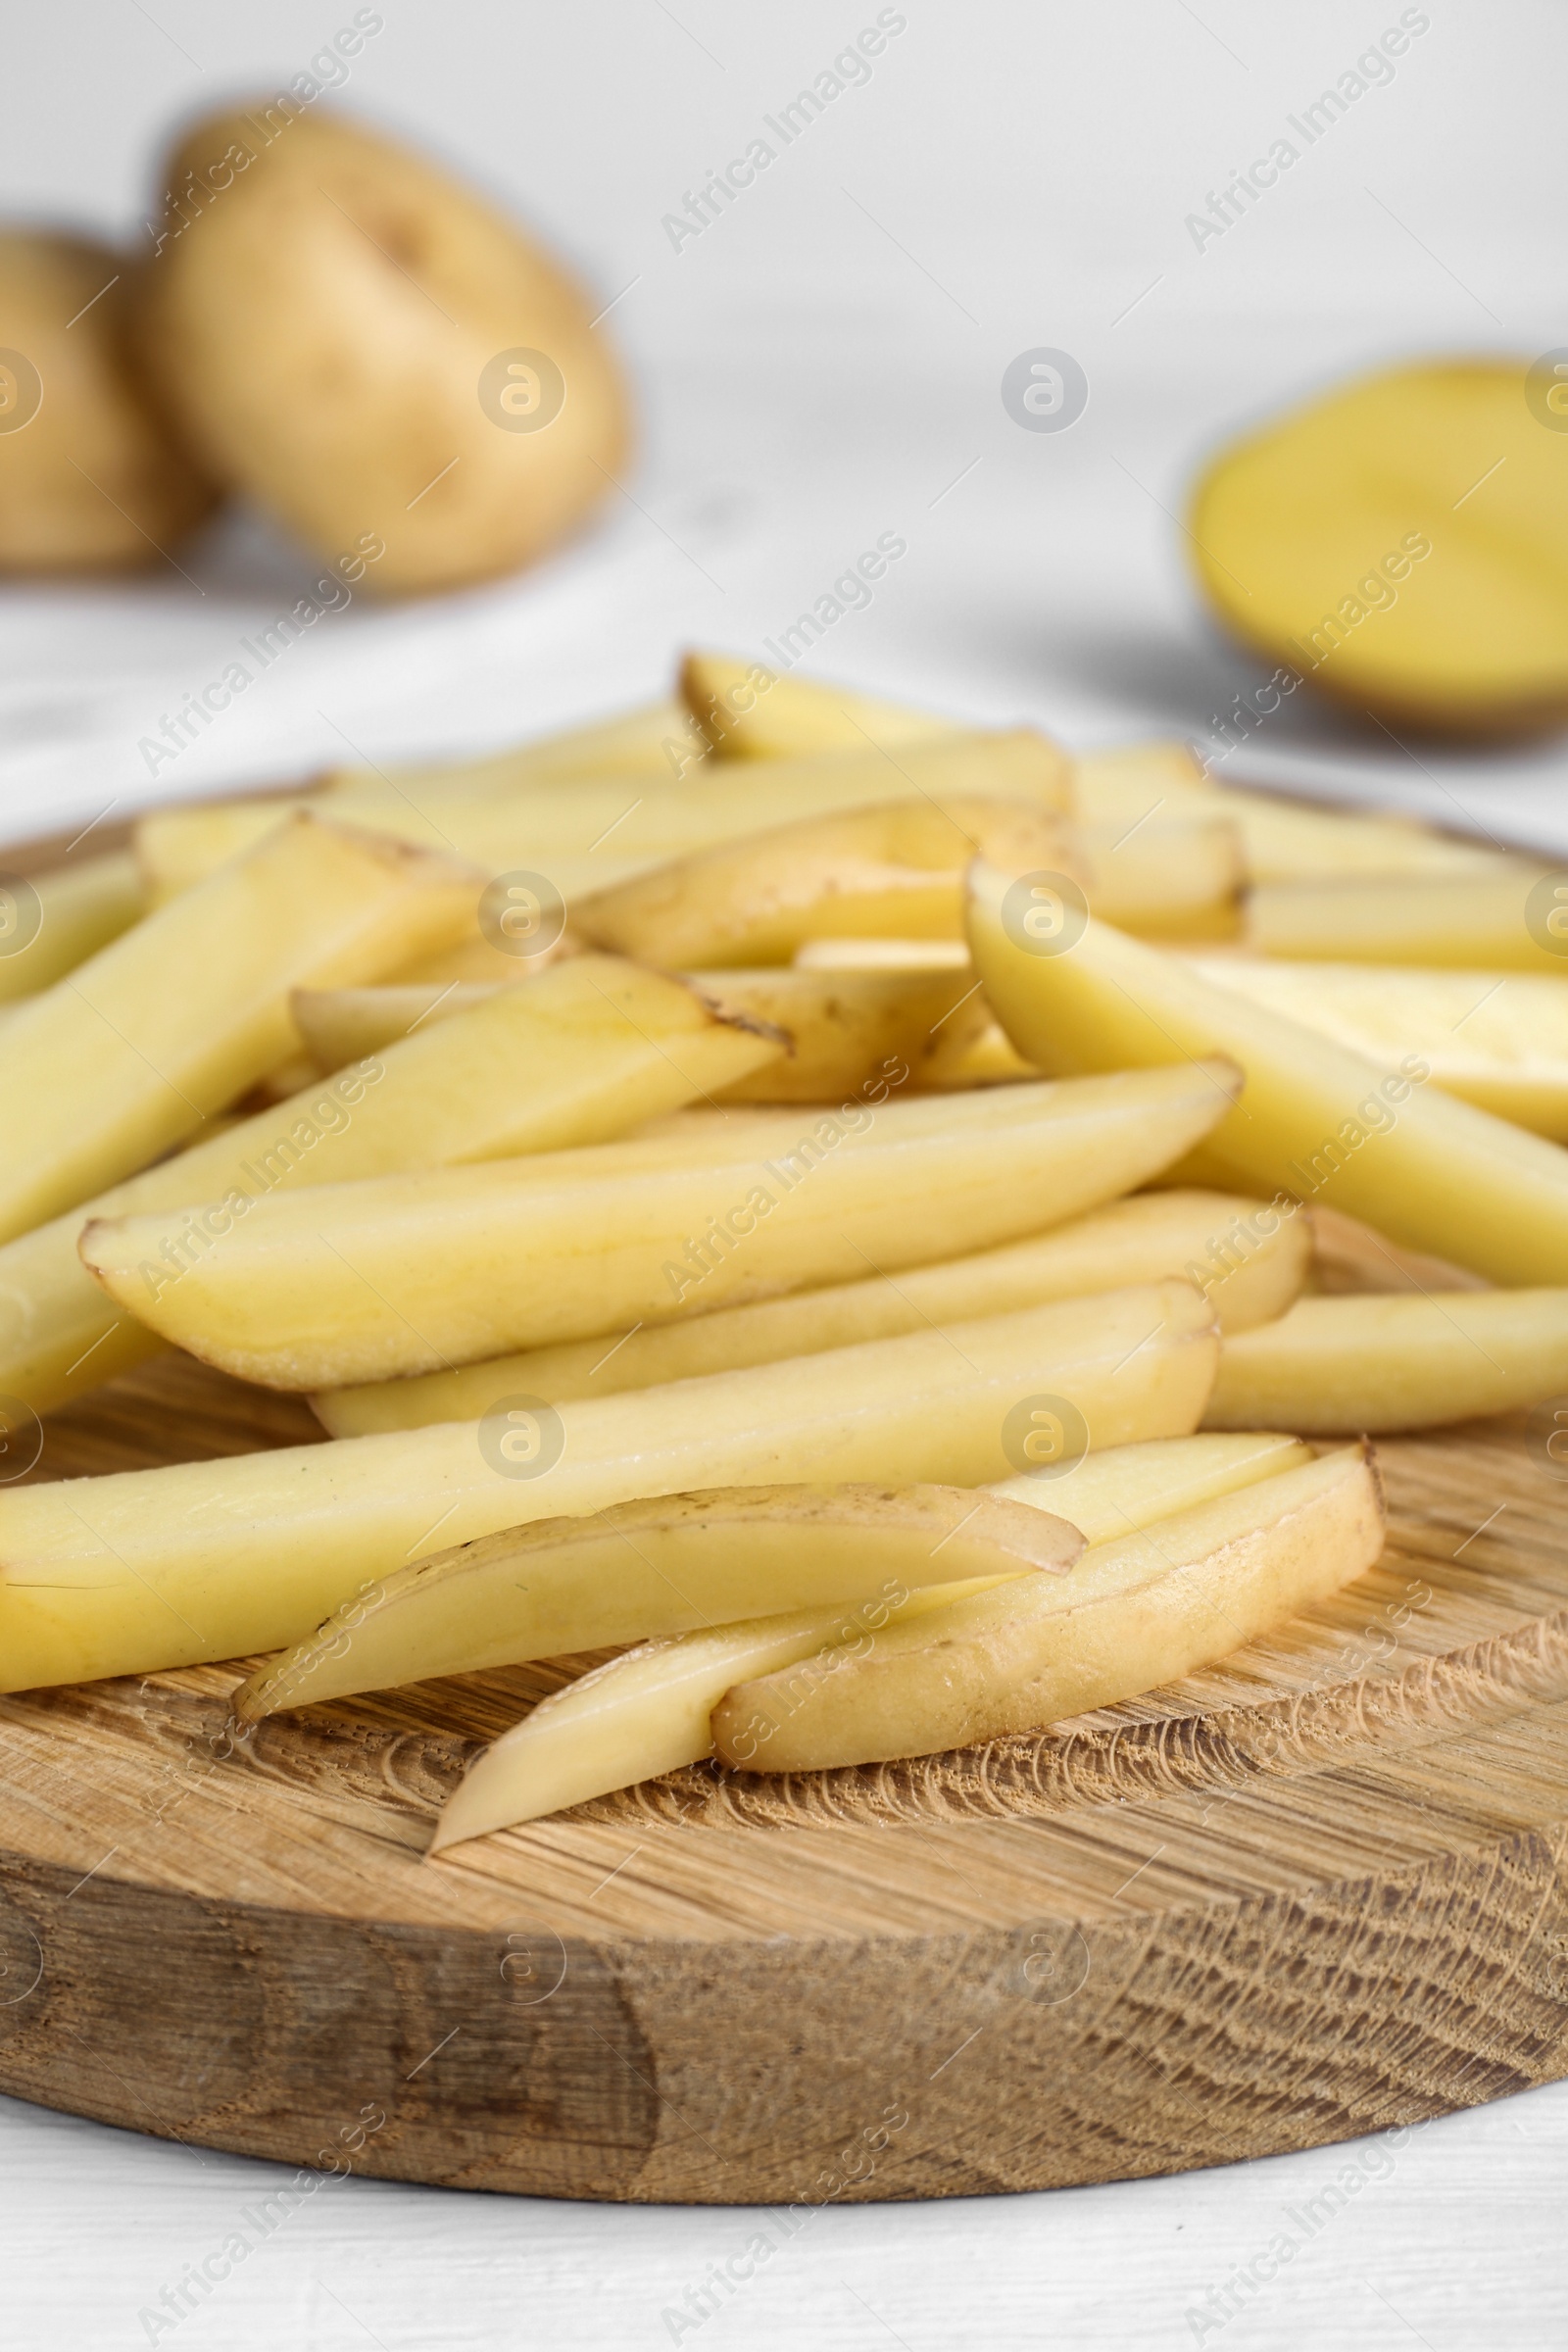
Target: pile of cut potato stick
x: 847, y: 1212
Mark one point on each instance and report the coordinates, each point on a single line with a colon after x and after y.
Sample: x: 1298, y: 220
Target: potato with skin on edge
x: 1314, y: 1119
x: 577, y: 1057
x: 1400, y: 543
x: 650, y: 1711
x: 654, y: 1568
x: 92, y: 475
x: 145, y: 1569
x: 1132, y: 1614
x: 370, y: 350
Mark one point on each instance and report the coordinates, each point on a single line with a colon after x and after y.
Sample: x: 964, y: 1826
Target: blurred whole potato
x: 370, y: 351
x: 90, y: 478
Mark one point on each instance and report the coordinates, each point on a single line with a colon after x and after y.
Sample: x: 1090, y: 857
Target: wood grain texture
x: 1314, y: 1892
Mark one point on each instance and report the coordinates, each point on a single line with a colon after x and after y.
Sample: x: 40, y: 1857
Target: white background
x: 822, y: 365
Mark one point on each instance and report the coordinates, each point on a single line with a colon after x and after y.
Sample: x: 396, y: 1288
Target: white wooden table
x: 1454, y: 2240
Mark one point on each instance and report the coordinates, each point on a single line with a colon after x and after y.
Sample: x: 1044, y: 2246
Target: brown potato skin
x: 94, y: 480
x: 321, y: 326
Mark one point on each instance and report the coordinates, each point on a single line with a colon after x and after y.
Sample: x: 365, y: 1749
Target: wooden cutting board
x: 1314, y: 1892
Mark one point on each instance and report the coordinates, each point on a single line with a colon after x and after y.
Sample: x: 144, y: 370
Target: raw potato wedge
x: 50, y: 923
x: 1167, y: 881
x: 580, y: 829
x: 1400, y: 542
x: 129, y: 1054
x: 1282, y: 840
x: 1333, y: 1365
x: 896, y: 868
x: 650, y: 740
x: 648, y: 1569
x: 1135, y: 1613
x: 577, y: 1054
x: 883, y: 956
x: 747, y: 712
x: 1511, y: 923
x: 1315, y: 1120
x: 1251, y: 1265
x: 396, y: 1275
x: 651, y: 1711
x: 153, y: 1568
x: 1496, y: 1039
x: 845, y: 1029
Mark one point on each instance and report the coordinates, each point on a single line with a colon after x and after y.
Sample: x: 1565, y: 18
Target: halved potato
x: 1402, y: 542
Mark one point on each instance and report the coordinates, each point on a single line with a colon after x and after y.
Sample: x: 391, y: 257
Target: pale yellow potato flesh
x: 202, y: 1560
x: 897, y: 867
x: 582, y: 831
x: 882, y: 955
x: 1249, y: 1264
x: 746, y: 711
x: 650, y: 1711
x: 1135, y: 1612
x: 1282, y: 840
x: 1166, y: 880
x: 1399, y: 542
x: 586, y: 1051
x: 129, y: 1054
x: 1510, y: 922
x: 1315, y: 1120
x: 648, y: 740
x: 648, y: 1569
x: 78, y: 909
x: 1332, y: 1365
x: 402, y: 1274
x: 845, y: 1029
x: 1496, y: 1039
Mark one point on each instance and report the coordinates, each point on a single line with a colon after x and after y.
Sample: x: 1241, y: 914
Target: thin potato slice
x: 1134, y: 1613
x: 62, y: 917
x: 897, y: 867
x: 401, y: 1274
x: 650, y: 1711
x: 748, y: 711
x: 578, y: 1055
x: 154, y: 1568
x: 132, y: 1051
x: 648, y: 1569
x: 1194, y: 1235
x: 1496, y: 1039
x: 1315, y: 1120
x: 1500, y: 923
x: 1403, y: 1361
